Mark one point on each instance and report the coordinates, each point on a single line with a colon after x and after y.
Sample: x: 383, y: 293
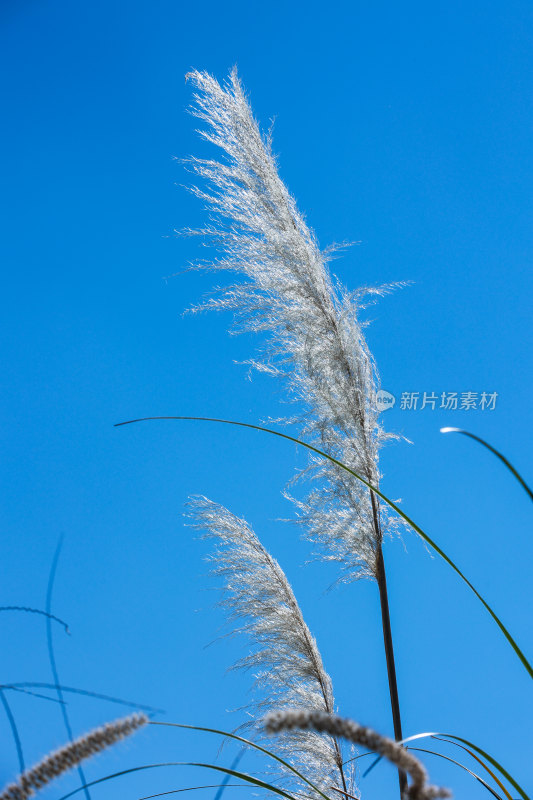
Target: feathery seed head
x: 72, y: 754
x: 260, y: 603
x: 316, y: 341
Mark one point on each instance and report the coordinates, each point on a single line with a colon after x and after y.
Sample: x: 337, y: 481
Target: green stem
x: 381, y: 578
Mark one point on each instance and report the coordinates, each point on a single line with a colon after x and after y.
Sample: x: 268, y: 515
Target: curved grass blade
x: 491, y: 760
x: 389, y: 502
x: 234, y: 764
x: 497, y: 453
x: 458, y: 763
x: 449, y: 736
x: 242, y: 775
x: 193, y: 788
x: 52, y: 658
x: 249, y: 744
x: 423, y: 735
x: 375, y: 762
x: 360, y: 755
x: 32, y: 694
x: 14, y: 730
x: 84, y: 692
x: 473, y: 755
x: 213, y: 786
x: 37, y: 611
x: 3, y: 699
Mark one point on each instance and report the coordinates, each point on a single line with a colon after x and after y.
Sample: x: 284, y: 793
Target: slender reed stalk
x: 419, y: 789
x: 71, y: 755
x: 381, y: 579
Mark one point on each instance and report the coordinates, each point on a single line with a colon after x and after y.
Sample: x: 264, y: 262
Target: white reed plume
x: 260, y: 603
x: 72, y: 754
x: 317, y: 342
x: 316, y: 338
x: 419, y: 788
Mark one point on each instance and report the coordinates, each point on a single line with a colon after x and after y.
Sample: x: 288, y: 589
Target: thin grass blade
x: 32, y: 694
x: 476, y: 758
x: 450, y: 738
x: 458, y: 763
x: 242, y: 775
x: 28, y: 610
x: 52, y: 657
x: 248, y: 743
x: 497, y: 453
x: 213, y: 786
x: 389, y: 502
x: 14, y: 730
x: 108, y: 698
x: 194, y: 788
x: 492, y: 761
x: 222, y: 788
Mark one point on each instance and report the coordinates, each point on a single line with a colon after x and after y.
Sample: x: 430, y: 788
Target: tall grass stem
x: 381, y: 578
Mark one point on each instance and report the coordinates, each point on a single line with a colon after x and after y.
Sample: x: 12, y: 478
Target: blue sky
x: 404, y: 127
